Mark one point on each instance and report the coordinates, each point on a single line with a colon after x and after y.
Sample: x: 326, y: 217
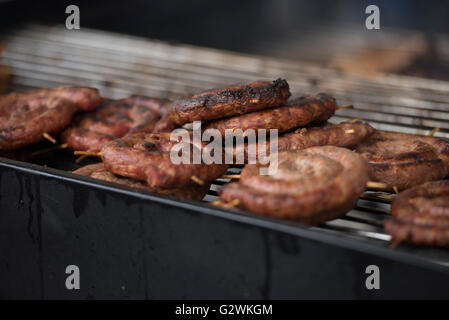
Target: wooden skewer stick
x: 396, y: 189
x: 197, y: 180
x: 354, y: 120
x: 49, y: 138
x: 348, y: 106
x: 81, y: 158
x: 232, y: 204
x: 376, y: 185
x: 38, y: 152
x: 230, y: 176
x: 228, y: 205
x: 376, y: 195
x: 87, y: 153
x: 350, y: 131
x: 433, y: 131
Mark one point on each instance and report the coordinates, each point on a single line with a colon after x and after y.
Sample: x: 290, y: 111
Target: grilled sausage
x: 226, y: 102
x: 405, y: 160
x: 114, y: 119
x: 97, y: 171
x: 85, y: 99
x: 296, y: 113
x: 23, y: 124
x: 311, y: 186
x: 146, y: 157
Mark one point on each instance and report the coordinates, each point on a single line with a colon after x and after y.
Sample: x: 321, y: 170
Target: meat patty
x: 98, y: 171
x: 146, y: 157
x: 24, y: 117
x: 24, y: 124
x: 85, y: 99
x: 345, y: 134
x: 227, y: 102
x: 114, y: 119
x: 405, y: 160
x: 296, y: 113
x: 421, y: 215
x: 310, y: 186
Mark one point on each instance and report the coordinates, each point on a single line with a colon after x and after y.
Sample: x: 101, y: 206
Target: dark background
x: 227, y: 24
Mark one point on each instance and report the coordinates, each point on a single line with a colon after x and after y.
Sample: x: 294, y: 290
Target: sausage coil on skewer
x: 146, y: 157
x: 405, y: 160
x: 311, y: 186
x: 227, y: 102
x: 296, y: 113
x: 420, y: 215
x: 98, y: 171
x: 114, y: 119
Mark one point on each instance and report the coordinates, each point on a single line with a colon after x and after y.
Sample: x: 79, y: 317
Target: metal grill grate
x: 119, y: 65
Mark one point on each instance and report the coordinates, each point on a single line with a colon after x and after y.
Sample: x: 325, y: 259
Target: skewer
x: 433, y: 131
x: 62, y: 146
x: 45, y: 135
x: 81, y: 158
x: 197, y: 180
x: 396, y: 189
x: 230, y: 176
x: 376, y: 195
x: 88, y: 153
x: 348, y: 106
x: 350, y: 131
x: 376, y: 185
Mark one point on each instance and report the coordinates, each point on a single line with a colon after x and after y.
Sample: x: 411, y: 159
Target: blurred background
x: 325, y: 31
x: 330, y: 32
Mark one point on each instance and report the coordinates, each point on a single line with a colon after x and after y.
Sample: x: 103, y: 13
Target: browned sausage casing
x: 146, y: 157
x: 97, y: 171
x: 311, y: 186
x: 112, y: 120
x: 421, y: 215
x: 345, y: 134
x: 227, y: 102
x: 405, y: 160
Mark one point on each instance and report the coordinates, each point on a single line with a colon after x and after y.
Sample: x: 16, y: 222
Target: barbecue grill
x: 133, y: 244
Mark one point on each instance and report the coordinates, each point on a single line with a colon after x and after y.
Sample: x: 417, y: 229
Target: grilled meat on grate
x: 98, y: 171
x: 420, y: 215
x: 311, y: 186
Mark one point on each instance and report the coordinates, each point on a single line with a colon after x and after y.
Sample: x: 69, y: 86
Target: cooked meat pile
x: 421, y: 215
x: 112, y: 120
x: 405, y: 160
x: 311, y: 186
x: 25, y: 117
x: 98, y: 171
x: 317, y: 179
